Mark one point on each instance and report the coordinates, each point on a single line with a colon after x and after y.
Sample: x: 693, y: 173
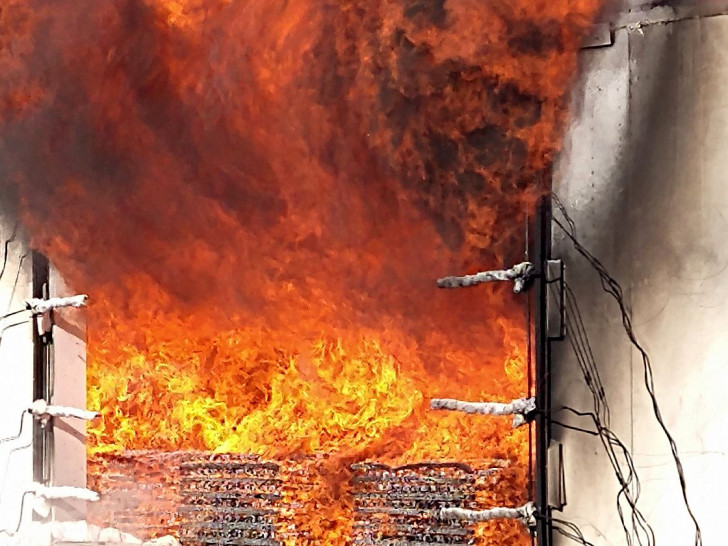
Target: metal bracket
x: 555, y: 310
x: 557, y: 478
x: 600, y: 35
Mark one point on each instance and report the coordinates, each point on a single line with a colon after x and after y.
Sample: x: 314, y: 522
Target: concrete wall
x: 16, y: 394
x: 16, y: 378
x: 644, y: 175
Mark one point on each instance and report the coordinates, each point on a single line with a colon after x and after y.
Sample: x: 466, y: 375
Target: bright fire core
x: 258, y: 195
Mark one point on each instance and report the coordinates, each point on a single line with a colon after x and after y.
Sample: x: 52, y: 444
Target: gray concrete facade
x: 644, y: 174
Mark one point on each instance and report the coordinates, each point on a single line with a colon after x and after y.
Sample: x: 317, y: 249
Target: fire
x: 170, y: 380
x: 258, y: 196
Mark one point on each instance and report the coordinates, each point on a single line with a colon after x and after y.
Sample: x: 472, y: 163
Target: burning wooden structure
x: 206, y: 498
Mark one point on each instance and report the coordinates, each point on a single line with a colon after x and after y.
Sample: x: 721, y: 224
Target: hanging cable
x: 20, y: 429
x: 617, y: 453
x: 6, y: 252
x: 615, y: 450
x: 571, y: 427
x: 614, y: 289
x: 16, y: 448
x: 573, y: 533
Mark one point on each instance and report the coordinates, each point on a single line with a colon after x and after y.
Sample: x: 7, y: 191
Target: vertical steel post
x: 542, y: 353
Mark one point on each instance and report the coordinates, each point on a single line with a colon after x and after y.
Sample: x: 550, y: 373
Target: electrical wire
x: 628, y: 479
x: 7, y: 249
x: 573, y: 532
x: 20, y: 429
x: 572, y: 427
x: 614, y: 289
x: 580, y: 342
x: 7, y: 461
x: 13, y: 325
x: 9, y: 313
x: 13, y: 313
x: 576, y: 535
x: 13, y: 532
x: 16, y: 282
x: 10, y: 532
x: 528, y: 303
x: 617, y: 453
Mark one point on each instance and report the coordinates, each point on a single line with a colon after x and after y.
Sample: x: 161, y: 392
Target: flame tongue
x: 258, y: 195
x: 170, y: 381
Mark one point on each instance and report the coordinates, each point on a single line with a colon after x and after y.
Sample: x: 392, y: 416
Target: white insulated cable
x: 519, y: 274
x: 520, y: 408
x: 525, y: 514
x: 46, y: 494
x: 38, y: 306
x: 63, y: 492
x: 41, y: 408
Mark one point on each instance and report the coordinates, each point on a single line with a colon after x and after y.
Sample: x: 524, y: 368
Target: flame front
x: 258, y: 195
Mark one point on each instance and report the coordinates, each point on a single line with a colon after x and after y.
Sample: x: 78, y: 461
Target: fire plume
x: 258, y: 195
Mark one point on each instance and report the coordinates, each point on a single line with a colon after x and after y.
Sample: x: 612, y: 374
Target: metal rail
x: 541, y: 246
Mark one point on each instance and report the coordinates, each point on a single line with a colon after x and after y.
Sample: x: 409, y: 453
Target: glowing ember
x: 258, y: 195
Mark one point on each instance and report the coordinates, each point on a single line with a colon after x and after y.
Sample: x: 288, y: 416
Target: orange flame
x: 258, y: 195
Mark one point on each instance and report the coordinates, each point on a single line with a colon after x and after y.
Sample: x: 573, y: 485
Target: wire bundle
x: 626, y: 473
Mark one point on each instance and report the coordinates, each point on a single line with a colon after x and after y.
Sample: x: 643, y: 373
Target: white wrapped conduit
x: 519, y: 274
x: 64, y: 493
x: 45, y: 495
x: 521, y: 409
x: 84, y: 533
x: 41, y: 408
x: 38, y: 306
x: 525, y: 514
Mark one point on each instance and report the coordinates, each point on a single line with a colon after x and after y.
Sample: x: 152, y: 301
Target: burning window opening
x: 206, y: 498
x: 256, y: 197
